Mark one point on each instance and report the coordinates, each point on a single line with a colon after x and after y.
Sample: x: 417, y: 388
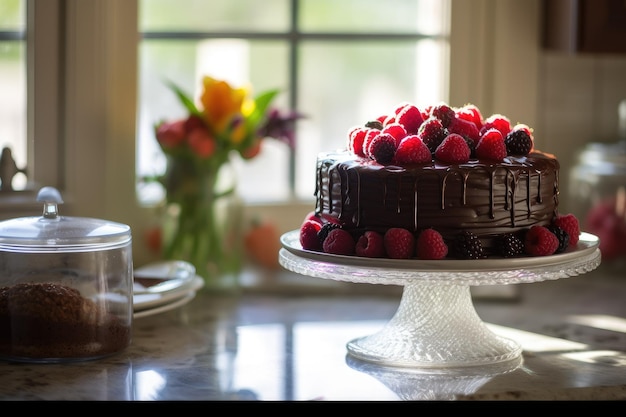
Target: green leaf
x: 184, y: 99
x: 262, y: 101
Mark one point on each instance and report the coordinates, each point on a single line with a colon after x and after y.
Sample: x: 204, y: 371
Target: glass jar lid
x: 52, y: 232
x: 604, y: 158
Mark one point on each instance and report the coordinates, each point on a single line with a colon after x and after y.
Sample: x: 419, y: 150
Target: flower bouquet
x: 204, y: 225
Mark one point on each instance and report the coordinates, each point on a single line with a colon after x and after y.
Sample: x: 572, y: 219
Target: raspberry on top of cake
x: 438, y: 182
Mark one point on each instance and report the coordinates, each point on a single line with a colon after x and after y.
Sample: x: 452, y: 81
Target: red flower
x: 201, y: 142
x: 253, y: 150
x: 171, y: 134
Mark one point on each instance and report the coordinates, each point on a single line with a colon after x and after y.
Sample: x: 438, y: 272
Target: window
x: 80, y: 123
x: 336, y: 61
x: 30, y: 34
x: 13, y: 85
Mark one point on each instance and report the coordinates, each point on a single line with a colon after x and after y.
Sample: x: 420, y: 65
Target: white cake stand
x: 436, y: 325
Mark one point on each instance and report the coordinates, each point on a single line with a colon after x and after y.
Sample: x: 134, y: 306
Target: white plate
x: 162, y: 276
x: 166, y: 307
x: 587, y: 244
x: 144, y: 301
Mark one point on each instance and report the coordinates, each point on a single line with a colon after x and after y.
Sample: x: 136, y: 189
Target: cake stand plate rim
x: 587, y: 244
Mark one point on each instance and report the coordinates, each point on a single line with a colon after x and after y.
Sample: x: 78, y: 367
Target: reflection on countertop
x: 291, y: 345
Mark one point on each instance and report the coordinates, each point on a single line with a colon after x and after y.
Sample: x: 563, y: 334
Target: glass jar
x: 65, y: 286
x: 597, y: 193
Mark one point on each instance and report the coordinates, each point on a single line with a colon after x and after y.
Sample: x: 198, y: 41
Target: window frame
x: 82, y: 98
x: 293, y: 36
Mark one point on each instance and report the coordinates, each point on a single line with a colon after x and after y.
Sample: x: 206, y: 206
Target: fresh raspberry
x: 569, y: 223
x: 339, y: 242
x: 539, y: 241
x: 399, y: 243
x: 561, y: 235
x: 400, y: 107
x: 312, y: 215
x: 491, y: 146
x: 453, y: 150
x: 411, y: 118
x: 396, y: 130
x: 367, y: 141
x: 471, y: 113
x: 412, y: 151
x: 497, y: 121
x: 430, y: 245
x: 308, y: 235
x: 390, y: 119
x: 510, y: 245
x: 444, y: 113
x: 351, y: 131
x: 370, y: 245
x: 383, y: 148
x: 426, y: 111
x: 355, y: 140
x: 467, y: 245
x: 465, y: 128
x: 432, y: 133
x: 518, y: 142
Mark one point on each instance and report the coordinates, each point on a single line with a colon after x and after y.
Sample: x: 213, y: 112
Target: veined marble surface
x: 292, y: 346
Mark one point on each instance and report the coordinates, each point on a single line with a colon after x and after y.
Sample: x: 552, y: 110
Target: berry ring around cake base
x: 436, y: 325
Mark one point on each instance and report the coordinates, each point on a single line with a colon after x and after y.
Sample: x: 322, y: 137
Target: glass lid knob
x: 50, y: 197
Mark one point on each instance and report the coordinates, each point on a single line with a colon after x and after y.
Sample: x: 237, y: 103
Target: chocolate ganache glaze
x: 485, y: 197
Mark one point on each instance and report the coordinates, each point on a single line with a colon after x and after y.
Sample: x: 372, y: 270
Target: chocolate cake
x: 488, y: 199
x: 480, y: 184
x: 49, y: 321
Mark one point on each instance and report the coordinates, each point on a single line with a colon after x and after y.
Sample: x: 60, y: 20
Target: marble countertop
x: 290, y: 345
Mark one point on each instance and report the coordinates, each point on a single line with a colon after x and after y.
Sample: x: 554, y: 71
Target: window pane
x: 12, y: 15
x: 338, y: 81
x: 13, y: 84
x: 364, y: 16
x: 344, y: 84
x: 214, y: 15
x: 263, y: 64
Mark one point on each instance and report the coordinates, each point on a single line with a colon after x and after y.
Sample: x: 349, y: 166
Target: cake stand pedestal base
x: 435, y: 326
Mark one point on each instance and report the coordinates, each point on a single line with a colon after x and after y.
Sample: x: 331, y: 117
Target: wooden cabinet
x: 585, y: 26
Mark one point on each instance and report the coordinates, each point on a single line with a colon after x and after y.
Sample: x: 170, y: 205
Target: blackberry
x: 325, y: 230
x: 432, y: 133
x: 444, y: 113
x: 518, y: 142
x: 560, y: 234
x: 383, y: 148
x: 511, y: 245
x: 467, y: 245
x: 471, y: 145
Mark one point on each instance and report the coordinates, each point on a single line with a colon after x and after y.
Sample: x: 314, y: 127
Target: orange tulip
x: 221, y: 102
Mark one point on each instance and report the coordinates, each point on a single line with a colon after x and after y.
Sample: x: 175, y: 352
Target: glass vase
x: 203, y: 225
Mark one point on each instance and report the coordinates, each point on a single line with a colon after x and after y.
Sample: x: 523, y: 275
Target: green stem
x: 198, y: 235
